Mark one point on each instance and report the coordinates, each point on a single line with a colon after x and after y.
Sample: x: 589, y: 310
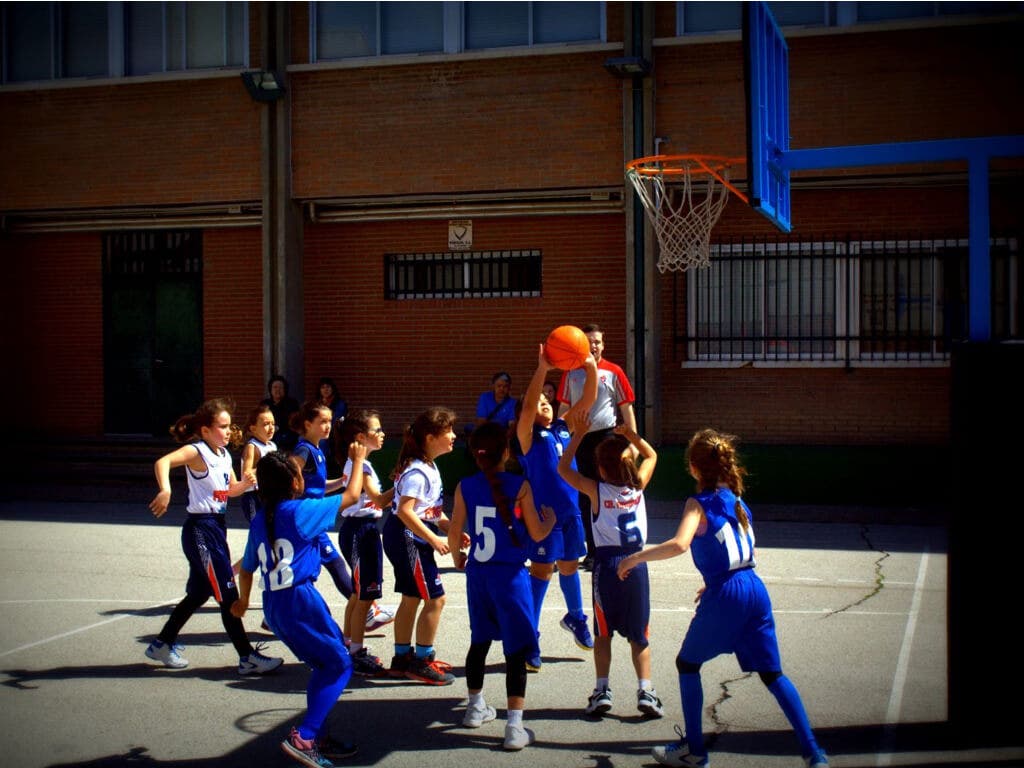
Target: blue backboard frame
x: 766, y: 69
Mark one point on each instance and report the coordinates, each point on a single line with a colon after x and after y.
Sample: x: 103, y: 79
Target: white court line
x: 892, y: 716
x: 86, y: 628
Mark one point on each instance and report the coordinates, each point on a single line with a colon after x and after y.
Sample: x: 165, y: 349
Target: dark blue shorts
x: 360, y: 545
x: 205, y: 544
x: 416, y: 573
x: 567, y: 541
x: 620, y: 606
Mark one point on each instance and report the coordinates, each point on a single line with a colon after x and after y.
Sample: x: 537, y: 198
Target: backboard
x: 766, y: 70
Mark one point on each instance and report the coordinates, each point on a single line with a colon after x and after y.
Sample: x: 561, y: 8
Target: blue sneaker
x: 533, y: 663
x: 580, y: 631
x: 678, y: 754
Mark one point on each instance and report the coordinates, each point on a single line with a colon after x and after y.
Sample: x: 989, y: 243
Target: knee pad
x: 769, y: 677
x: 686, y: 667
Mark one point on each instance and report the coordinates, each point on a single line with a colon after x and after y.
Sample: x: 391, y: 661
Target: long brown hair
x: 617, y: 465
x: 189, y: 427
x: 433, y: 421
x: 713, y: 456
x: 489, y: 445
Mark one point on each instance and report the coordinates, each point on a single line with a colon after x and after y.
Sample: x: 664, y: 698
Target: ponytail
x: 489, y: 444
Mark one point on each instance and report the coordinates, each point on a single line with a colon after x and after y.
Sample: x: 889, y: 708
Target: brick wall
x: 402, y: 356
x: 52, y: 343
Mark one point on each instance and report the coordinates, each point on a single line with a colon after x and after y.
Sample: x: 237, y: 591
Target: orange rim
x: 695, y: 165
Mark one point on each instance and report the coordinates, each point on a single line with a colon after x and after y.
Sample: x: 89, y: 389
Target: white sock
x: 515, y: 717
x: 476, y: 700
x: 644, y: 685
x: 354, y: 647
x: 601, y: 684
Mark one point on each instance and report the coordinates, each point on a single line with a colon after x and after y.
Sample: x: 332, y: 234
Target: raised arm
x: 646, y: 451
x: 579, y: 424
x: 589, y: 395
x: 528, y: 413
x: 357, y: 453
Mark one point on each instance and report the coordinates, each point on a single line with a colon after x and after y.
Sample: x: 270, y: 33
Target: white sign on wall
x: 460, y: 234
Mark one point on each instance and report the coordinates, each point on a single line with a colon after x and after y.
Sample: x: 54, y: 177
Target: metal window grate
x: 458, y: 275
x: 851, y: 301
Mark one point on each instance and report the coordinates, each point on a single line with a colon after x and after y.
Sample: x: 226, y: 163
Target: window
x: 344, y: 30
x: 44, y: 41
x: 858, y: 301
x: 473, y: 274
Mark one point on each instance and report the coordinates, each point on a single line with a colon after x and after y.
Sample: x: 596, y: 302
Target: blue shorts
x: 301, y: 619
x: 734, y: 617
x: 360, y: 545
x: 620, y: 606
x: 416, y: 573
x: 205, y: 544
x: 328, y: 552
x: 501, y: 606
x: 566, y: 541
x: 250, y: 503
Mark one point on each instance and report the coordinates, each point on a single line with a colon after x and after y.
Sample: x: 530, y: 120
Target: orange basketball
x: 567, y: 347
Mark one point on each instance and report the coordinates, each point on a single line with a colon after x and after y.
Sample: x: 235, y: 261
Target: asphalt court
x: 861, y: 613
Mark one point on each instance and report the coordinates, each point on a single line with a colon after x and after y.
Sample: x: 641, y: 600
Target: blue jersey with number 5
x: 726, y: 546
x: 491, y: 539
x: 298, y: 524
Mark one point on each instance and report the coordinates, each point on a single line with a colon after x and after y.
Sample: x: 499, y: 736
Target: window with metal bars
x: 854, y: 301
x: 463, y: 275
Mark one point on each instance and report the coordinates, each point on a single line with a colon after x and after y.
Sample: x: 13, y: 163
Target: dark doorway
x: 152, y: 329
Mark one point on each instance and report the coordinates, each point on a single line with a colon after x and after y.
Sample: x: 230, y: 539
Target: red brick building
x: 167, y: 237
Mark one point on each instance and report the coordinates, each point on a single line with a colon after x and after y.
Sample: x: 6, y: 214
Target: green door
x: 153, y: 342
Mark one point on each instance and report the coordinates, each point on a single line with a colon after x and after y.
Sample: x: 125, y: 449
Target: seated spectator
x: 497, y: 404
x: 282, y: 406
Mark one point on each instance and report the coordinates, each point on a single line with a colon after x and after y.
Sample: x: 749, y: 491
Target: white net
x: 682, y: 214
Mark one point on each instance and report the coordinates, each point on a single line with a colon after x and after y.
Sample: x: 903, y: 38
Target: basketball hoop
x: 684, y: 196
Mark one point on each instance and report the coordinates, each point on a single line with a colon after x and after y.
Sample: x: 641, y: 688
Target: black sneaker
x: 335, y: 750
x: 431, y: 672
x: 400, y: 664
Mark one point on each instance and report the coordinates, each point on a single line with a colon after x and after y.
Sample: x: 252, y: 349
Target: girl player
x: 411, y: 537
x: 211, y: 480
x: 619, y: 520
x: 283, y: 547
x: 497, y: 507
x: 734, y: 612
x: 542, y: 439
x: 260, y: 427
x: 359, y: 537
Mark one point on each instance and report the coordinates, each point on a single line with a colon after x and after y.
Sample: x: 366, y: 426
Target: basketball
x: 567, y: 347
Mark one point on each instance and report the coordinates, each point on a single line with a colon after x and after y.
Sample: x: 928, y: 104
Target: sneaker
x: 580, y: 631
x: 258, y: 664
x: 365, y: 664
x: 588, y: 563
x: 477, y: 716
x: 649, y: 703
x: 166, y: 653
x: 429, y: 671
x: 677, y: 754
x: 517, y: 737
x: 533, y: 663
x: 335, y: 750
x: 817, y: 760
x: 600, y: 701
x: 400, y: 664
x: 379, y: 616
x: 304, y: 751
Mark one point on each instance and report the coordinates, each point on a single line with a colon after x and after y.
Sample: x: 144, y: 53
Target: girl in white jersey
x: 211, y: 480
x: 412, y: 534
x: 359, y: 537
x: 260, y: 428
x: 619, y: 520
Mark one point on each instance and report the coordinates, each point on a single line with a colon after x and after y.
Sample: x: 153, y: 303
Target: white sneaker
x: 167, y: 654
x: 517, y: 737
x: 648, y: 703
x: 258, y: 664
x: 477, y: 716
x: 600, y: 701
x: 818, y: 760
x: 379, y: 616
x: 678, y: 755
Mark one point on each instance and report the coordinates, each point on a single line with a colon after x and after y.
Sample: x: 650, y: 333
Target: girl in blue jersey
x: 313, y: 423
x: 260, y: 427
x: 359, y: 537
x: 619, y: 523
x: 734, y: 612
x: 496, y: 508
x: 542, y: 439
x: 283, y: 547
x: 211, y: 481
x: 412, y: 534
